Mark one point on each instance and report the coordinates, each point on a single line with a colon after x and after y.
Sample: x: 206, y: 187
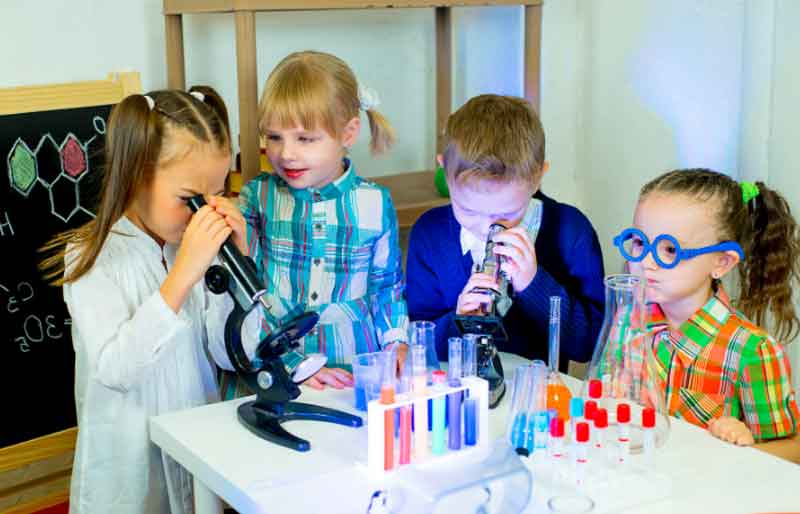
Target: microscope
x: 487, y: 324
x: 266, y: 373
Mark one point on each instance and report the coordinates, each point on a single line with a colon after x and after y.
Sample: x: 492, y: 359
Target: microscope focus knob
x: 264, y: 379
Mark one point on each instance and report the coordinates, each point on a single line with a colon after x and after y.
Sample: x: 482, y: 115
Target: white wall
x: 630, y: 88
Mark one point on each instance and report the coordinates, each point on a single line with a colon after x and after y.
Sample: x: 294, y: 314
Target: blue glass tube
x: 470, y: 422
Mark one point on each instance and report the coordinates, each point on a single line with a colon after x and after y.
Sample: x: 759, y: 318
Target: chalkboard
x: 51, y: 161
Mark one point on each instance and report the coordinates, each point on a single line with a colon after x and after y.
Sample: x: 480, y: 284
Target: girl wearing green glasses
x: 719, y: 369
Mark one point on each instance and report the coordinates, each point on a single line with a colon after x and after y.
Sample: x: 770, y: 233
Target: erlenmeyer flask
x: 558, y: 394
x: 622, y: 375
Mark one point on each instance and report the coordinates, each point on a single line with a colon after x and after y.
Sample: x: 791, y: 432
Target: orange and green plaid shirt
x: 720, y: 363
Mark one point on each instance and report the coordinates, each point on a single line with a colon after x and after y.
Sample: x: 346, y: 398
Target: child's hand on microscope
x: 520, y: 264
x: 334, y: 377
x: 471, y: 301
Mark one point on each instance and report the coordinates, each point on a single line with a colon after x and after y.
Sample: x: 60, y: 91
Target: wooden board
x: 208, y: 6
x: 52, y: 139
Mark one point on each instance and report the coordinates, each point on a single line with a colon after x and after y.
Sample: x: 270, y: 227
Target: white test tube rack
x: 478, y: 390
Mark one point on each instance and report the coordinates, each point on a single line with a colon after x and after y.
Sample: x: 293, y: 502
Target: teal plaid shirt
x: 334, y: 251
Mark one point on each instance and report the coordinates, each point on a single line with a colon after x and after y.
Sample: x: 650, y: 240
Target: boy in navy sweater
x: 494, y: 163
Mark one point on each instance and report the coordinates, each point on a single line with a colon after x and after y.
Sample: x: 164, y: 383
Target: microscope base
x: 266, y: 423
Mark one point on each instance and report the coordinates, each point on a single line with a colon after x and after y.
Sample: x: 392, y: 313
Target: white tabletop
x: 255, y: 476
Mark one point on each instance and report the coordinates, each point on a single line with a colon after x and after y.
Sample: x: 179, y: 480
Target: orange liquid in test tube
x: 387, y: 397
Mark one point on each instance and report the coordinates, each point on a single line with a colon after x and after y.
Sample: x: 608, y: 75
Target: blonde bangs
x: 299, y: 95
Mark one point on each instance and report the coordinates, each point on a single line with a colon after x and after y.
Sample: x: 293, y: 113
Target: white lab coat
x: 135, y: 358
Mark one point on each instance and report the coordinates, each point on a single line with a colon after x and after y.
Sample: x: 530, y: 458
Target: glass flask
x: 622, y: 376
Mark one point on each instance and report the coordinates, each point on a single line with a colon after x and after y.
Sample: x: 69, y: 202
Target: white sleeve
x: 118, y: 339
x: 219, y: 307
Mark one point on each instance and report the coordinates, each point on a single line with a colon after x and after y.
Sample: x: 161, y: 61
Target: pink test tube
x: 600, y: 427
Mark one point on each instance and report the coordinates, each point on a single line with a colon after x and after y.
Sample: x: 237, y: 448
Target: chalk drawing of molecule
x: 62, y: 183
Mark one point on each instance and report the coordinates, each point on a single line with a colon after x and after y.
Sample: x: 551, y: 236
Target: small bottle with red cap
x: 556, y: 448
x: 649, y: 436
x: 624, y: 431
x: 599, y: 432
x: 581, y: 452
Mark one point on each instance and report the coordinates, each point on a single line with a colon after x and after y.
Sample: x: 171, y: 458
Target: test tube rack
x: 474, y: 388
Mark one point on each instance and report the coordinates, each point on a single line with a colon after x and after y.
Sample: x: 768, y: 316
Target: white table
x: 229, y: 462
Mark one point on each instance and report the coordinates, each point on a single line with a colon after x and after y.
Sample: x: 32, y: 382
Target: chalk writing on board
x: 62, y: 184
x: 6, y: 228
x: 34, y: 328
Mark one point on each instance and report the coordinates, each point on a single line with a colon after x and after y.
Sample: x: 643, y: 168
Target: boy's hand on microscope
x: 226, y: 208
x: 520, y: 264
x: 201, y: 241
x: 334, y: 377
x: 731, y: 430
x: 470, y: 301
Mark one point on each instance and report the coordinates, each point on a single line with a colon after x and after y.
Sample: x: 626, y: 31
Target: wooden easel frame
x: 247, y: 72
x: 35, y: 474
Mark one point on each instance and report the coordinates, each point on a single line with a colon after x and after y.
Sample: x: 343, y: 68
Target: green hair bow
x: 749, y: 191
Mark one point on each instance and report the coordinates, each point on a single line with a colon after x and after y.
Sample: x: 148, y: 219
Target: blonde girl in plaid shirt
x: 717, y: 368
x: 323, y: 238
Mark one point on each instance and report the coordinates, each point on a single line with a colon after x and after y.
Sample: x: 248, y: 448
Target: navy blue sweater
x: 570, y: 265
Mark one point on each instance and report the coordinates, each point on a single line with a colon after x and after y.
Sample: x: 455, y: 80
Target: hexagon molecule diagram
x: 58, y: 168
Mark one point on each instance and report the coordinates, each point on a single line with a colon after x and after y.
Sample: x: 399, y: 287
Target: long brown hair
x: 767, y: 232
x: 316, y: 89
x: 139, y: 140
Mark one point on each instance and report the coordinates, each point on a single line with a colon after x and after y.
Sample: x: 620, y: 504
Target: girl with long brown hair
x: 143, y: 324
x: 718, y: 368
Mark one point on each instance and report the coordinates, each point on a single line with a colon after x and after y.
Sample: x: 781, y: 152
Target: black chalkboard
x: 51, y: 161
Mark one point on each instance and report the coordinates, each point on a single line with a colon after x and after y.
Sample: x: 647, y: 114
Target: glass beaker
x: 424, y: 333
x: 624, y: 363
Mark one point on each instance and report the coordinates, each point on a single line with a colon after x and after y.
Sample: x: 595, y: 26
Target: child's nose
x: 287, y: 151
x: 649, y: 262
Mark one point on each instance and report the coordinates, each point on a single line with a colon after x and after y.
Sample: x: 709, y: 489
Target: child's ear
x: 724, y: 263
x: 545, y: 167
x: 350, y: 132
x: 440, y: 160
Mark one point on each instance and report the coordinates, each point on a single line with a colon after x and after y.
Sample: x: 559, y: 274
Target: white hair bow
x: 368, y: 98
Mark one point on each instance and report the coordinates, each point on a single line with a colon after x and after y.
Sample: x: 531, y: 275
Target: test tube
x: 454, y: 398
x: 648, y: 434
x: 420, y: 385
x: 470, y: 422
x: 405, y: 423
x: 470, y: 358
x: 437, y: 444
x: 387, y: 398
x: 624, y: 431
x: 581, y: 451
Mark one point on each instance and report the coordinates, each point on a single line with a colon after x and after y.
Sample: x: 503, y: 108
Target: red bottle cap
x: 439, y: 377
x: 623, y: 413
x: 649, y: 417
x: 601, y: 419
x: 582, y: 432
x: 595, y: 389
x: 589, y: 409
x: 557, y: 427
